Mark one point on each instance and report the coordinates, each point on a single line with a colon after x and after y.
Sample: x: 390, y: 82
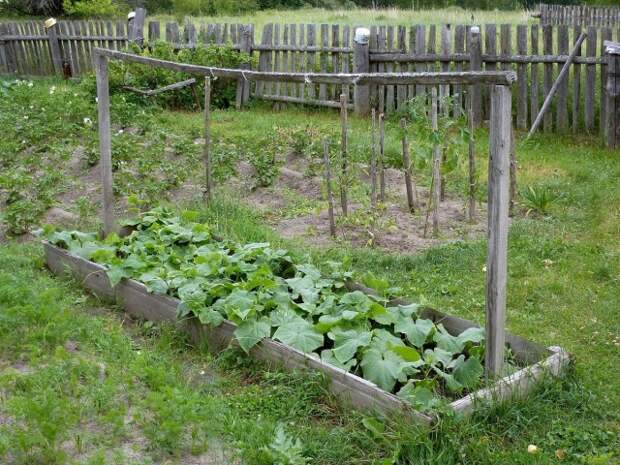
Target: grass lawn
x: 361, y: 16
x: 80, y: 383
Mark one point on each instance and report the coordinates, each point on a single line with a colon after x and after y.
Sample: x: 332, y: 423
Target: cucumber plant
x: 268, y: 292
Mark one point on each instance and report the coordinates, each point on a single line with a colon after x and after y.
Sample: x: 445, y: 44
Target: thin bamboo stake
x: 473, y: 183
x: 407, y: 167
x: 373, y: 160
x: 381, y: 157
x: 208, y: 193
x: 436, y: 191
x: 330, y: 195
x: 345, y: 164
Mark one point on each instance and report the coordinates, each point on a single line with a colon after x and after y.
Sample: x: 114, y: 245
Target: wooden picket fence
x: 536, y: 53
x: 25, y: 45
x: 579, y: 15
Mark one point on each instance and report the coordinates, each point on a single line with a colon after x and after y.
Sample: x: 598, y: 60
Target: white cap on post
x: 362, y: 35
x: 131, y: 15
x: 475, y: 29
x: 49, y: 23
x: 613, y: 48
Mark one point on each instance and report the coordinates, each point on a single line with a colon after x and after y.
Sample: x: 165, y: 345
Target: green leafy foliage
x: 139, y: 76
x: 36, y: 140
x: 267, y: 292
x: 539, y: 199
x: 285, y: 450
x: 91, y: 8
x: 451, y: 135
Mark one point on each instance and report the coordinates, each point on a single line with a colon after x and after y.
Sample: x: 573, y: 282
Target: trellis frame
x: 499, y: 152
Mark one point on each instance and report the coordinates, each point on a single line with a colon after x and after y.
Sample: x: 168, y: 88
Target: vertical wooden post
x: 411, y: 203
x: 497, y: 251
x: 589, y: 102
x: 373, y: 160
x: 381, y: 157
x: 208, y: 193
x: 3, y: 48
x: 361, y: 64
x: 522, y: 78
x: 135, y: 32
x: 105, y: 147
x: 343, y: 147
x: 154, y: 32
x: 11, y: 60
x: 52, y: 33
x: 475, y: 64
x: 473, y: 182
x: 330, y: 195
x: 612, y: 95
x: 189, y: 34
x: 513, y: 173
x: 245, y: 46
x: 606, y: 35
x: 436, y: 194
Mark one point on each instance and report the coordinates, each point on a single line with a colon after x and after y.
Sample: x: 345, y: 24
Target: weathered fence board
x: 579, y: 15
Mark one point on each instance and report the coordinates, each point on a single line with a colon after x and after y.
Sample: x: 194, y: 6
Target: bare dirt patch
x: 391, y: 228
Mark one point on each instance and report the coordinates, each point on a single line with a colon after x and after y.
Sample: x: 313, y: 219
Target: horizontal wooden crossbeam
x: 505, y: 78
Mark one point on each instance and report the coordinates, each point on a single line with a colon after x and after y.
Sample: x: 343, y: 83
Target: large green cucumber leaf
x: 250, y: 332
x: 299, y: 334
x: 382, y: 368
x: 346, y: 343
x: 327, y: 356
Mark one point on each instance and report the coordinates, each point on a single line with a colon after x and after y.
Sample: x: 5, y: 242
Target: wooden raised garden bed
x: 356, y: 391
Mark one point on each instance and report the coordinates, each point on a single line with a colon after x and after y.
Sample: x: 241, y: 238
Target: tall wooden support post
x: 135, y: 28
x: 208, y: 193
x: 612, y: 94
x: 513, y: 174
x: 381, y: 163
x: 373, y: 160
x: 245, y: 46
x: 328, y: 184
x: 344, y: 176
x: 411, y: 200
x: 475, y: 64
x: 497, y: 251
x: 51, y: 26
x: 105, y: 147
x: 361, y: 64
x: 473, y: 180
x: 436, y: 181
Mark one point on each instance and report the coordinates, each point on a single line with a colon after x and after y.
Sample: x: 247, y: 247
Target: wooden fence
x: 26, y: 47
x: 536, y: 53
x: 579, y: 15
